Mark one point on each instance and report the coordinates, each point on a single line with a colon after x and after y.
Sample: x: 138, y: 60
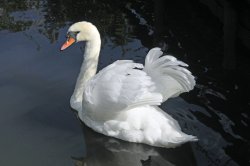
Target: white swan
x: 121, y: 100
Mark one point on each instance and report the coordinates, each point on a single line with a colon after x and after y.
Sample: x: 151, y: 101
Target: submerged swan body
x: 122, y: 99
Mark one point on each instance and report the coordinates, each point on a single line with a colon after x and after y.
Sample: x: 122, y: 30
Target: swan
x: 122, y: 99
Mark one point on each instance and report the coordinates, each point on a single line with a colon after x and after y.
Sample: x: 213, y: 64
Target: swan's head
x: 80, y: 31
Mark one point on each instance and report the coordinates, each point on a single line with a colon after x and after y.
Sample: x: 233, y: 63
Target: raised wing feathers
x: 168, y: 73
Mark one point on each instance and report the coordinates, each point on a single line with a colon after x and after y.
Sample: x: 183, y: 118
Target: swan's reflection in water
x: 107, y: 151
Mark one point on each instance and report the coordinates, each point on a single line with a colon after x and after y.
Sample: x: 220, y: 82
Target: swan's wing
x: 168, y: 73
x: 119, y: 86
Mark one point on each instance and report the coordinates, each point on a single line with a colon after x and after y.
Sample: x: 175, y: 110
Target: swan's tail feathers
x: 177, y: 141
x: 169, y: 74
x: 187, y: 138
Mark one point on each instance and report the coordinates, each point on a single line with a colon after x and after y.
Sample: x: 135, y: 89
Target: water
x: 36, y: 81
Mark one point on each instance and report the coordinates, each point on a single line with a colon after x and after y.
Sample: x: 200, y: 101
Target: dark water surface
x: 37, y: 126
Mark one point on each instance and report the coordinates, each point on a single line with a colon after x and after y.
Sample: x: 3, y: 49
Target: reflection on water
x: 37, y: 80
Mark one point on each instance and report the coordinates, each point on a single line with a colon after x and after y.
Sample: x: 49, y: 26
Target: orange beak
x: 68, y: 43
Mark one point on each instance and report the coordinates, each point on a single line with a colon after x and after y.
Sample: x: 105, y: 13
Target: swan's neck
x: 88, y: 69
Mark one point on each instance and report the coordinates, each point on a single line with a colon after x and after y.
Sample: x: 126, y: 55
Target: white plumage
x: 170, y: 77
x: 121, y: 100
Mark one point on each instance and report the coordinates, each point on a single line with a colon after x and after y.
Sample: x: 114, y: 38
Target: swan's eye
x: 72, y: 34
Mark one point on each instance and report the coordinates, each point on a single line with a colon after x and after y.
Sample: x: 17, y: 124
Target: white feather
x: 168, y: 73
x: 120, y: 86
